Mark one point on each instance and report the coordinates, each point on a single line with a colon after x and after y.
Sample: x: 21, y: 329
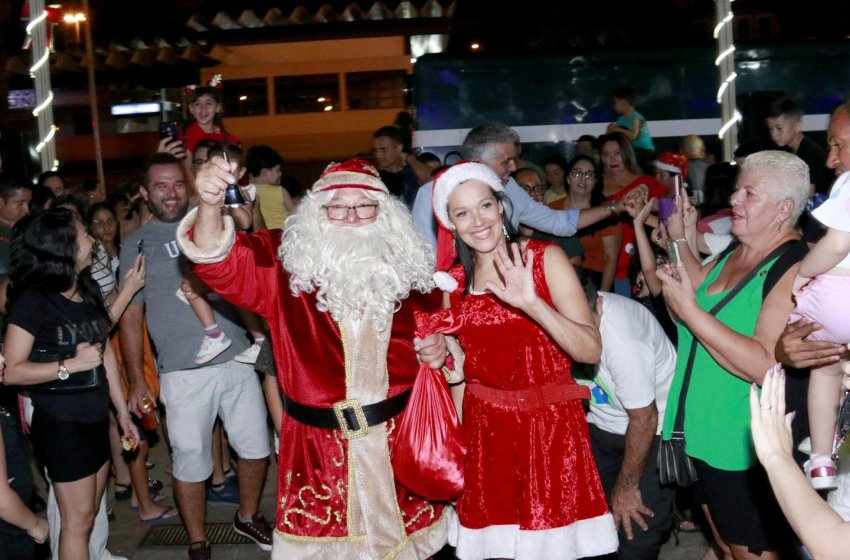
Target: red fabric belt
x: 530, y: 399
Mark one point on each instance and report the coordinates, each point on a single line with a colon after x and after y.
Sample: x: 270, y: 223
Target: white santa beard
x: 356, y: 269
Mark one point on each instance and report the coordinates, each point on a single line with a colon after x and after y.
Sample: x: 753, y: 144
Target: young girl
x: 524, y: 321
x: 821, y: 288
x: 205, y: 107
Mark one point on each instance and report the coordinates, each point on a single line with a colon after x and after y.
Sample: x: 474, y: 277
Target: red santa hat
x: 351, y: 174
x: 444, y: 183
x: 674, y: 163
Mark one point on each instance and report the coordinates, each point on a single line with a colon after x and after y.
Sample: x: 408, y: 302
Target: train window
x: 375, y: 90
x: 307, y: 94
x: 245, y: 98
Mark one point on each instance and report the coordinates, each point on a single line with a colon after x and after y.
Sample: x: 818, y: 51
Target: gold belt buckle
x: 362, y: 424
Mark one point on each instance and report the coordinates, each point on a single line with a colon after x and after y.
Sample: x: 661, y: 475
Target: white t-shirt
x: 637, y: 365
x: 834, y: 213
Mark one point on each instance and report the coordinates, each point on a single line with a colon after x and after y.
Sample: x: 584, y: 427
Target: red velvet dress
x: 532, y: 489
x: 327, y: 509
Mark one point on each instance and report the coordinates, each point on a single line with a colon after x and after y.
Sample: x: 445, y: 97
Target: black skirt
x: 69, y: 450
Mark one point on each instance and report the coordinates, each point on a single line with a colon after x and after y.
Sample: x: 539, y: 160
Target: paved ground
x: 126, y: 533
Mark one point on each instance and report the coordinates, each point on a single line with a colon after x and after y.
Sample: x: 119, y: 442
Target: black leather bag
x: 674, y: 465
x: 78, y: 381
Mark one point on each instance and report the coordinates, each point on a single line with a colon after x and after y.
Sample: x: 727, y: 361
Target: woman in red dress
x: 531, y: 486
x: 621, y: 174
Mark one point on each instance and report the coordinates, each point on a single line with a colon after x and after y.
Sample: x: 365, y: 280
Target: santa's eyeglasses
x: 362, y: 211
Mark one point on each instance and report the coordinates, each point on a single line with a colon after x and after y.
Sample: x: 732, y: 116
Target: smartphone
x: 168, y: 129
x: 675, y: 257
x: 141, y: 246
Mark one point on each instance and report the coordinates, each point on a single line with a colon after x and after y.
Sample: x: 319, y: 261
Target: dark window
x: 245, y: 98
x: 307, y: 94
x: 375, y: 90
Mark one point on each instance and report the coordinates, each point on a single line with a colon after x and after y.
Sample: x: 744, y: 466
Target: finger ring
x: 766, y: 407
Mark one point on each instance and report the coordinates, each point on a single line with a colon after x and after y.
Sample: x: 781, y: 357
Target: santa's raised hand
x: 518, y: 277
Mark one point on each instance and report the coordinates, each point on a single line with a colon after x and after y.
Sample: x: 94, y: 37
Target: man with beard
x: 193, y: 395
x: 341, y: 317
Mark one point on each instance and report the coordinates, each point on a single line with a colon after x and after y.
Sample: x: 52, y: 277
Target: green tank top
x: 717, y: 405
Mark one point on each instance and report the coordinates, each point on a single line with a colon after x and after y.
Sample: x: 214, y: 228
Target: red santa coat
x: 337, y: 498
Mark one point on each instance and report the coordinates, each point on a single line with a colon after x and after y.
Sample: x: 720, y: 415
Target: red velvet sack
x: 428, y: 453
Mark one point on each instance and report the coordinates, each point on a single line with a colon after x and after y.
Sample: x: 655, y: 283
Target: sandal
x: 123, y: 492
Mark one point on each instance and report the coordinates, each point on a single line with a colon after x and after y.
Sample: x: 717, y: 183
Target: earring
x: 505, y: 230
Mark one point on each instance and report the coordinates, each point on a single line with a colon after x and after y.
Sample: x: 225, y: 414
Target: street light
x: 76, y: 19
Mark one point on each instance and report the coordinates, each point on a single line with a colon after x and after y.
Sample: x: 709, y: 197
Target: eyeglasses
x: 579, y: 174
x: 534, y: 189
x: 362, y: 211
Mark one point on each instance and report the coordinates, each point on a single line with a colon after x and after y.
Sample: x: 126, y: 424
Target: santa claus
x: 339, y: 293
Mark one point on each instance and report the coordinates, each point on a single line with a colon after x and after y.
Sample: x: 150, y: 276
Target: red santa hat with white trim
x: 351, y: 174
x: 444, y: 183
x: 673, y: 162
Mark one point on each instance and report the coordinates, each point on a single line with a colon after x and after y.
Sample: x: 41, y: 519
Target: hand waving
x: 518, y: 289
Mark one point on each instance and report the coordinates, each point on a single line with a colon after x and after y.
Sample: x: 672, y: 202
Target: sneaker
x: 227, y: 492
x: 249, y: 355
x: 199, y: 551
x: 821, y: 473
x: 257, y: 529
x: 212, y: 347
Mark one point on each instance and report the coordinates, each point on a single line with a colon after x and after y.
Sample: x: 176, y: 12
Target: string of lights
x: 38, y: 38
x: 725, y: 61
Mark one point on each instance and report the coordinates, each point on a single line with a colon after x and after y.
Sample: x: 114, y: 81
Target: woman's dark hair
x: 43, y: 257
x: 70, y: 200
x: 92, y: 210
x: 596, y: 196
x: 465, y: 255
x: 556, y: 159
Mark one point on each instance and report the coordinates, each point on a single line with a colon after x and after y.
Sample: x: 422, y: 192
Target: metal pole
x: 726, y: 92
x: 98, y: 156
x: 40, y: 72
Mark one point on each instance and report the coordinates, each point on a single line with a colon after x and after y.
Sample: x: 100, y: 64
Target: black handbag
x: 78, y: 381
x: 674, y: 464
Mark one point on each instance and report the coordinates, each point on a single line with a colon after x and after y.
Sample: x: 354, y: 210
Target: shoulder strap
x: 679, y: 423
x: 795, y: 253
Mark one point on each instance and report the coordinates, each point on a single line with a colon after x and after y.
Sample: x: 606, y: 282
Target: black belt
x: 349, y: 416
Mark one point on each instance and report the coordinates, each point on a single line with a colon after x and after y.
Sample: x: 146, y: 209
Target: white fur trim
x: 197, y: 255
x: 454, y: 176
x: 352, y: 179
x: 668, y: 167
x: 445, y: 281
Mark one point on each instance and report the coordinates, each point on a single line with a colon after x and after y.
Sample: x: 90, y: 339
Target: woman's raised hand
x: 643, y: 213
x: 770, y: 426
x: 518, y: 277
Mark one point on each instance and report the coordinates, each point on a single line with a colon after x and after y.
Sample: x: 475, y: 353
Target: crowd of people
x: 595, y: 317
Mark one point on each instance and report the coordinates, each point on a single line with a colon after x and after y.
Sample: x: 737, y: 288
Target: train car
x: 553, y: 99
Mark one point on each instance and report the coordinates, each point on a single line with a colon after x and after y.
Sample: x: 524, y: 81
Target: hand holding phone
x: 168, y: 129
x: 675, y: 257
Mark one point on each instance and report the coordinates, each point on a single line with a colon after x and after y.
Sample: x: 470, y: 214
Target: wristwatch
x: 612, y: 207
x: 63, y: 372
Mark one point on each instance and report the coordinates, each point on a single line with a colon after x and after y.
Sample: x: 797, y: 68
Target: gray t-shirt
x: 174, y: 328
